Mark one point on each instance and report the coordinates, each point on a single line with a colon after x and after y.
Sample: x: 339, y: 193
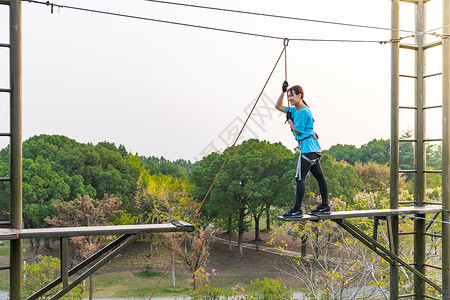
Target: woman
x: 301, y: 122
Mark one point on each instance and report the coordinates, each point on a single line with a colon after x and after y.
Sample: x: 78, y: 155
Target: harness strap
x: 313, y: 135
x: 311, y: 161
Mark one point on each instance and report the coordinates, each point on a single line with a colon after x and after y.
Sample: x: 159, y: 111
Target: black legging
x: 317, y: 172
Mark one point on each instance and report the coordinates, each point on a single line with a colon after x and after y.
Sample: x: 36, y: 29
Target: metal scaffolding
x: 16, y: 234
x: 420, y: 209
x: 420, y: 206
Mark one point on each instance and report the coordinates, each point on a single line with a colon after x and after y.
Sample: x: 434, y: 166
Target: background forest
x: 66, y: 183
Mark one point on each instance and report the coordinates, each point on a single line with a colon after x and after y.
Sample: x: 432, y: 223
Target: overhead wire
x: 52, y: 4
x: 48, y: 3
x: 277, y: 16
x: 197, y: 212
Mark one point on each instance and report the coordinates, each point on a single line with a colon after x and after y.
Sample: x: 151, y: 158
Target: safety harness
x: 313, y: 135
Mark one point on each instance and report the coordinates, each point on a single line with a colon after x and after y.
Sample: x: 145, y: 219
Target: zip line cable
x: 414, y: 217
x: 278, y: 16
x: 226, y: 159
x: 51, y: 4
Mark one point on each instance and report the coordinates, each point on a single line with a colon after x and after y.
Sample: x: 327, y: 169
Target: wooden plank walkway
x: 56, y: 232
x: 339, y: 215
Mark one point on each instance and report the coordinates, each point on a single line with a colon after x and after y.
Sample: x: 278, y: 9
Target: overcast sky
x: 181, y: 92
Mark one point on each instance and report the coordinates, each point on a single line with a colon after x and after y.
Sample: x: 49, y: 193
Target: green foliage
x: 348, y: 153
x: 177, y: 168
x: 268, y: 289
x: 84, y: 211
x: 126, y: 219
x: 434, y: 156
x: 42, y: 272
x: 271, y: 289
x: 197, y: 255
x: 58, y: 168
x: 376, y: 177
x: 255, y: 177
x: 204, y: 291
x: 148, y: 273
x: 341, y: 178
x: 163, y: 198
x: 375, y: 150
x: 103, y: 168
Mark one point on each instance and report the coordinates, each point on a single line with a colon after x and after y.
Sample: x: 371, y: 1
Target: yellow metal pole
x: 394, y: 160
x: 16, y: 255
x: 446, y: 151
x: 420, y: 158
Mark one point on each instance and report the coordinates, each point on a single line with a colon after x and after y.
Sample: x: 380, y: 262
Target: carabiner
x: 285, y: 42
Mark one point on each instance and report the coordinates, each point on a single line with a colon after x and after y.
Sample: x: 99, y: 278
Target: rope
x: 220, y: 170
x: 278, y: 16
x: 285, y: 43
x: 48, y: 3
x: 415, y: 217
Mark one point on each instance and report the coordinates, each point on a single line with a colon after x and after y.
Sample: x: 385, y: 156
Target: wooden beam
x: 339, y: 215
x: 15, y: 234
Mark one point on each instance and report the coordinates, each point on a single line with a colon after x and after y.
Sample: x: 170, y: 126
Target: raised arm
x: 279, y: 105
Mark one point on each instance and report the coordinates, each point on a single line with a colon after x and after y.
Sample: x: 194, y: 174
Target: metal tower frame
x: 15, y: 233
x: 420, y: 108
x: 420, y: 208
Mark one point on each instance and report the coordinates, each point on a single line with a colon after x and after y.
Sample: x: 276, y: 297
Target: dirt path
x: 254, y: 246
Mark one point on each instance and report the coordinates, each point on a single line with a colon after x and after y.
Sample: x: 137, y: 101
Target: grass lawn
x: 130, y: 285
x: 135, y: 273
x: 4, y: 260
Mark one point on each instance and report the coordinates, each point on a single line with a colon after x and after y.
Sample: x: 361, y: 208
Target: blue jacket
x: 304, y: 124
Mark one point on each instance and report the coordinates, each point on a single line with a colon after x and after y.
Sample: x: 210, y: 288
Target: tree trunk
x: 268, y: 217
x: 241, y: 252
x: 151, y: 244
x: 91, y: 287
x: 257, y: 236
x: 229, y: 233
x: 173, y: 271
x: 37, y: 245
x: 241, y: 230
x: 304, y: 239
x: 47, y: 245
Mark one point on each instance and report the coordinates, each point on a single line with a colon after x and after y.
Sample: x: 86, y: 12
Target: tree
x: 341, y: 178
x: 348, y: 153
x: 104, y: 167
x: 337, y: 266
x: 252, y: 179
x: 166, y: 198
x: 177, y: 168
x: 42, y: 272
x: 84, y: 211
x: 375, y: 150
x: 196, y: 257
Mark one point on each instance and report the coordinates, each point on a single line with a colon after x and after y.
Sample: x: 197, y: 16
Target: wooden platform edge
x: 56, y: 232
x: 339, y: 215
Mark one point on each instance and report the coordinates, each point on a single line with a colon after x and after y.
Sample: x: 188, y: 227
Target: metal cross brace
x: 116, y: 246
x: 382, y: 251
